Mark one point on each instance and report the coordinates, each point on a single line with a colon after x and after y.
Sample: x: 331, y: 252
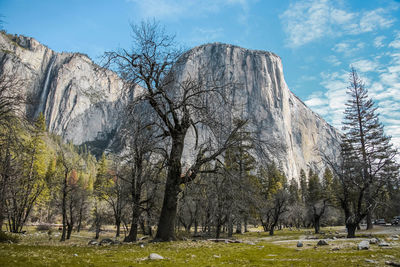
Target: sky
x: 317, y: 40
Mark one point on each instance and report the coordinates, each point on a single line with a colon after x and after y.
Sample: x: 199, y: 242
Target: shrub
x: 43, y: 227
x: 8, y: 238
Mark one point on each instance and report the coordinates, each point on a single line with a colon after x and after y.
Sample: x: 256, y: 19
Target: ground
x: 37, y: 248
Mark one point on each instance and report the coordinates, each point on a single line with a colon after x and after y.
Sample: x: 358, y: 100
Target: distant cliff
x: 82, y: 101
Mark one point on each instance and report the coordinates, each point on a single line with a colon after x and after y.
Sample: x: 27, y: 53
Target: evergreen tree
x: 366, y: 151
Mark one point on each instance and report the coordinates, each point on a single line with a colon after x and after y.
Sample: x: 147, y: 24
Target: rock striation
x: 82, y: 102
x: 294, y: 136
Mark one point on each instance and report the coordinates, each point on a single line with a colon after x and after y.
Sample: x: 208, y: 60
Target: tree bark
x: 64, y: 207
x: 166, y: 224
x: 132, y: 236
x: 369, y: 221
x: 351, y: 230
x: 317, y: 224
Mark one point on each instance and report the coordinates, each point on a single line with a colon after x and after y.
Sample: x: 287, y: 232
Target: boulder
x: 383, y: 244
x: 322, y: 242
x: 107, y: 241
x: 363, y: 245
x: 155, y: 256
x: 93, y: 242
x: 373, y: 241
x: 299, y: 244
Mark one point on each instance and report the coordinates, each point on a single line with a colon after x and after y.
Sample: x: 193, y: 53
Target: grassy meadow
x: 36, y: 248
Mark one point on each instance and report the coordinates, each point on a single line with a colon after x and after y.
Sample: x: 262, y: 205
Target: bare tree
x: 180, y: 102
x: 11, y: 100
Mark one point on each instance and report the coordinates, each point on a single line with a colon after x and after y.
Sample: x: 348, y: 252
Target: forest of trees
x: 145, y: 188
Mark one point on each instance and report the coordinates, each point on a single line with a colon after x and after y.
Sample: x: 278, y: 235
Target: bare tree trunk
x: 370, y: 225
x: 351, y: 230
x: 132, y: 236
x: 239, y: 227
x: 166, y: 224
x: 64, y: 207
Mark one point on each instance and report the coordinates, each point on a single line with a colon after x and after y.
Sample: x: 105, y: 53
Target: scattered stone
x: 334, y: 238
x: 141, y: 245
x: 217, y: 256
x: 299, y: 244
x: 370, y: 261
x: 363, y: 245
x: 143, y: 238
x: 93, y: 242
x: 395, y: 236
x: 392, y: 263
x: 155, y: 256
x: 335, y: 249
x: 109, y: 241
x: 373, y: 241
x: 383, y: 244
x: 322, y: 242
x: 249, y: 243
x: 75, y: 255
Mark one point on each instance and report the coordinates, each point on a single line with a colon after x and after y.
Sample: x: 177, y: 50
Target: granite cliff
x: 82, y: 101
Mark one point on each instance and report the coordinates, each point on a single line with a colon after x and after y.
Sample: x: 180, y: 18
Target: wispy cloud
x: 349, y: 47
x: 307, y: 21
x: 364, y: 65
x: 378, y: 41
x: 396, y: 42
x: 383, y: 88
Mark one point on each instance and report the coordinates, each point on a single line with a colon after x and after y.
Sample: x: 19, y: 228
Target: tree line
x: 223, y: 189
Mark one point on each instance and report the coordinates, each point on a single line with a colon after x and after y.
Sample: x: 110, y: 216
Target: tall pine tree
x: 367, y: 147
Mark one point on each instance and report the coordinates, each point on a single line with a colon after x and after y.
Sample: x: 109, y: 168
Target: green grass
x: 38, y: 250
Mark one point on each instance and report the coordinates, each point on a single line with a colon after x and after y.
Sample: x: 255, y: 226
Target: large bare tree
x: 181, y: 102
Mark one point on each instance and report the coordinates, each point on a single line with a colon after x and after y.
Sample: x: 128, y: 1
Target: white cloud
x: 378, y: 41
x: 348, y: 48
x: 332, y: 59
x: 396, y: 42
x: 364, y: 65
x: 306, y: 21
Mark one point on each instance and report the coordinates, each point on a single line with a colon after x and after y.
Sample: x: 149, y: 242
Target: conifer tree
x: 366, y: 151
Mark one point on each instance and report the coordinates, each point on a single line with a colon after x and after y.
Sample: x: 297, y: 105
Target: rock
x: 299, y: 244
x: 75, y: 255
x: 370, y: 261
x: 383, y: 244
x: 217, y: 256
x: 363, y: 245
x: 335, y: 249
x: 322, y: 242
x: 395, y: 236
x: 93, y: 242
x: 373, y: 241
x: 144, y: 238
x: 81, y: 101
x: 334, y: 238
x: 155, y: 256
x: 249, y: 243
x: 392, y: 263
x: 108, y: 241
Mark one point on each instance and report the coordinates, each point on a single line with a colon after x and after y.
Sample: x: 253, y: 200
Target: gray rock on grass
x: 322, y: 242
x: 363, y: 245
x: 155, y: 256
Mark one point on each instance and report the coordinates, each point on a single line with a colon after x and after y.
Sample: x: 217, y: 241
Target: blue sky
x: 317, y: 40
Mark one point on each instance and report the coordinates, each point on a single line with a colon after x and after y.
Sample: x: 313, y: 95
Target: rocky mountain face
x: 82, y: 101
x: 291, y: 134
